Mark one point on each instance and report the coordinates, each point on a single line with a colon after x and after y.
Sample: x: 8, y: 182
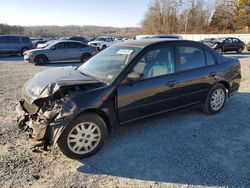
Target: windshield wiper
x: 90, y: 76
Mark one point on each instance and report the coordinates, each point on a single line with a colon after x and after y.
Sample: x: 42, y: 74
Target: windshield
x: 108, y: 64
x: 100, y: 39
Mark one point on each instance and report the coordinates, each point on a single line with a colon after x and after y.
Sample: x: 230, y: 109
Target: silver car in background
x: 61, y: 51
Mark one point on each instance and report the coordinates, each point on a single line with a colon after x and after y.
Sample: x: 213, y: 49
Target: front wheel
x: 84, y: 137
x: 215, y: 99
x: 40, y: 60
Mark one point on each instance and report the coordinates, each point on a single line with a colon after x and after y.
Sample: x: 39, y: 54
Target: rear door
x: 157, y: 92
x: 197, y: 68
x: 72, y: 52
x: 236, y: 44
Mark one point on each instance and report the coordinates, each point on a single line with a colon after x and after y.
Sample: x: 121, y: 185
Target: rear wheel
x: 239, y: 51
x: 40, y: 60
x: 24, y: 50
x: 215, y: 100
x: 85, y: 57
x: 84, y: 137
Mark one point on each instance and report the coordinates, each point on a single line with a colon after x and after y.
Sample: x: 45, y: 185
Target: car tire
x: 85, y: 57
x: 239, y: 51
x: 103, y: 47
x: 78, y: 141
x: 215, y: 99
x: 24, y: 50
x: 40, y: 60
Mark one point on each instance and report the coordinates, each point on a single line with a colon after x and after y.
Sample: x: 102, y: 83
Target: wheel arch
x: 103, y: 115
x: 41, y: 55
x: 225, y: 83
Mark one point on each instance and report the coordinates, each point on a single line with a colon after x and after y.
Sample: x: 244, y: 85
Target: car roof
x: 58, y: 41
x: 142, y: 43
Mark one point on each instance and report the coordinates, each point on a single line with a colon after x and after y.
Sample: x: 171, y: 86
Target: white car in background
x: 102, y: 42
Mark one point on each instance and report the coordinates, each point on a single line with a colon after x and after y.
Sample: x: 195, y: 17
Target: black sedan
x: 228, y: 45
x: 77, y: 108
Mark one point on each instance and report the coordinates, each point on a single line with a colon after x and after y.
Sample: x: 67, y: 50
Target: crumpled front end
x: 47, y: 106
x: 42, y: 121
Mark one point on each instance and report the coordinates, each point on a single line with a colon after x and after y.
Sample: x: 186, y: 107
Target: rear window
x: 81, y: 45
x: 25, y: 39
x: 191, y: 57
x: 71, y: 45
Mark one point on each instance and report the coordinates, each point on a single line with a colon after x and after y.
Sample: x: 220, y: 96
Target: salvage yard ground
x: 181, y: 149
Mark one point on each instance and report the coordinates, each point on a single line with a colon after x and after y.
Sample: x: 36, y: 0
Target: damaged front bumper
x: 46, y: 125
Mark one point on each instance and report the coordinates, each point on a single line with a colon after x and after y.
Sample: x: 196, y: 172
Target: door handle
x: 171, y: 83
x: 212, y: 74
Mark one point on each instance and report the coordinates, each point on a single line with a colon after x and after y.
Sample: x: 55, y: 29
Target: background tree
x: 162, y: 17
x: 176, y: 16
x: 243, y: 14
x: 223, y: 19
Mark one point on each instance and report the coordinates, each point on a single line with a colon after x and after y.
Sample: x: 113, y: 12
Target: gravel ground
x: 180, y: 149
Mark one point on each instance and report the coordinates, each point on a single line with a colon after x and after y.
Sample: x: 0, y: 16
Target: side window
x: 157, y: 62
x: 25, y: 39
x: 13, y: 40
x: 210, y: 58
x: 59, y: 46
x: 71, y: 45
x: 228, y: 41
x: 191, y: 57
x: 235, y: 40
x: 81, y: 45
x: 108, y: 39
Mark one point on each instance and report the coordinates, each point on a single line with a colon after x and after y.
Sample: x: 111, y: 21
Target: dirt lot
x: 181, y: 149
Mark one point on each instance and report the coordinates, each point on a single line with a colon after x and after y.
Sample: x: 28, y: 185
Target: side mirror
x: 53, y: 48
x: 134, y: 77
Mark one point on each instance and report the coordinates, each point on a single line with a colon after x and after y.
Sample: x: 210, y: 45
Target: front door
x: 57, y: 53
x: 156, y: 93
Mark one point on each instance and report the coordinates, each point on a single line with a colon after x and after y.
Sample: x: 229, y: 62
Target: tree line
x: 72, y: 30
x: 197, y: 17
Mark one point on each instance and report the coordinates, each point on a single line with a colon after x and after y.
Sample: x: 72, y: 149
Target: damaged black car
x: 76, y: 108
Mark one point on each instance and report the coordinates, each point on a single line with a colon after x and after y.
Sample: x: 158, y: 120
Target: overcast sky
x: 119, y: 13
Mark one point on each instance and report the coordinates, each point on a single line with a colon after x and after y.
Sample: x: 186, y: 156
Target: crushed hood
x: 47, y: 82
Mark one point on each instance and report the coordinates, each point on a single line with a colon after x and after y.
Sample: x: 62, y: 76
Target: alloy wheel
x: 217, y: 99
x: 84, y: 138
